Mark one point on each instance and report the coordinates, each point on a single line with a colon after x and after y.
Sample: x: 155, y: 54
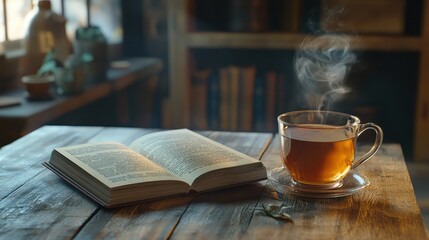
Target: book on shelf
x: 207, y: 15
x: 259, y: 104
x: 292, y: 16
x: 247, y: 16
x: 364, y: 17
x: 245, y: 101
x: 224, y: 101
x: 270, y: 100
x: 247, y: 87
x: 156, y: 165
x: 199, y: 90
x: 284, y: 15
x: 213, y: 101
x: 309, y: 16
x: 281, y: 93
x: 234, y: 97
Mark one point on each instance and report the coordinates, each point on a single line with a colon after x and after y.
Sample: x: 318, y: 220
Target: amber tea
x: 318, y: 147
x: 318, y: 154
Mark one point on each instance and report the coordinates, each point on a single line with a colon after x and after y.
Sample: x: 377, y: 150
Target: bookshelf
x: 293, y: 41
x: 185, y: 40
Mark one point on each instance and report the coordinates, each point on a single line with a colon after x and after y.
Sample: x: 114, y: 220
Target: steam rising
x: 321, y: 66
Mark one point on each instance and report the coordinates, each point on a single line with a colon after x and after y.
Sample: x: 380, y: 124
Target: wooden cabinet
x: 185, y: 40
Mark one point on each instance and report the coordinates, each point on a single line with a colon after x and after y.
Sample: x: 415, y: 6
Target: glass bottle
x: 44, y: 30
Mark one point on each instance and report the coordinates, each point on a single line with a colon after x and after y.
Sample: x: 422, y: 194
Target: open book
x: 155, y: 165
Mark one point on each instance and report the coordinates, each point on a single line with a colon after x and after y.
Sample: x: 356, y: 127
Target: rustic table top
x: 35, y: 203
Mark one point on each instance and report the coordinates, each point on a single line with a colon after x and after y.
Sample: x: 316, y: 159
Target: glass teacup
x: 318, y: 147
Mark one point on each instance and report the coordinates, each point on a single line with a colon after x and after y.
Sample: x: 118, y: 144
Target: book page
x: 113, y: 164
x: 188, y: 154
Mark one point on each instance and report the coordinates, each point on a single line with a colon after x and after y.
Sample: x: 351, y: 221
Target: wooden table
x: 18, y: 120
x: 35, y: 203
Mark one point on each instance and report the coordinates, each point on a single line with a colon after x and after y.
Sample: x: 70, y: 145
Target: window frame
x: 15, y: 48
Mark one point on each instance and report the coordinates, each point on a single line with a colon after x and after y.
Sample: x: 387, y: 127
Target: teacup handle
x: 375, y: 146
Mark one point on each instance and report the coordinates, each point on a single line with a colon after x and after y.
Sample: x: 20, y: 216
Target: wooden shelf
x: 182, y: 19
x: 293, y: 41
x: 15, y: 121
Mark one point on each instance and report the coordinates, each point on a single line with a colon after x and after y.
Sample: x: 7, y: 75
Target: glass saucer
x: 283, y: 183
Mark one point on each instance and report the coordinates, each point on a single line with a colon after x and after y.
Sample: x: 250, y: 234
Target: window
x: 104, y: 13
x: 16, y: 12
x: 75, y: 16
x: 2, y: 23
x: 107, y: 15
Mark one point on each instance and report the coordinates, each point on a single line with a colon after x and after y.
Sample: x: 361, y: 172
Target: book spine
x: 224, y: 89
x: 247, y: 86
x: 247, y: 15
x: 259, y: 104
x: 213, y: 101
x: 270, y: 101
x: 310, y: 16
x: 199, y: 90
x: 209, y: 15
x: 281, y: 94
x: 292, y: 16
x: 234, y: 97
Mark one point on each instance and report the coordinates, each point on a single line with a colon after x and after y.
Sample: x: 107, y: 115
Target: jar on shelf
x: 91, y: 41
x: 44, y: 30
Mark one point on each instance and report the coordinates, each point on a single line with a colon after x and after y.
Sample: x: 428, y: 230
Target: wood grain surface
x: 386, y: 209
x: 35, y: 203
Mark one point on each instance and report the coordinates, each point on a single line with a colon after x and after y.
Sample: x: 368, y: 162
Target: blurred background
x: 229, y: 65
x: 226, y: 64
